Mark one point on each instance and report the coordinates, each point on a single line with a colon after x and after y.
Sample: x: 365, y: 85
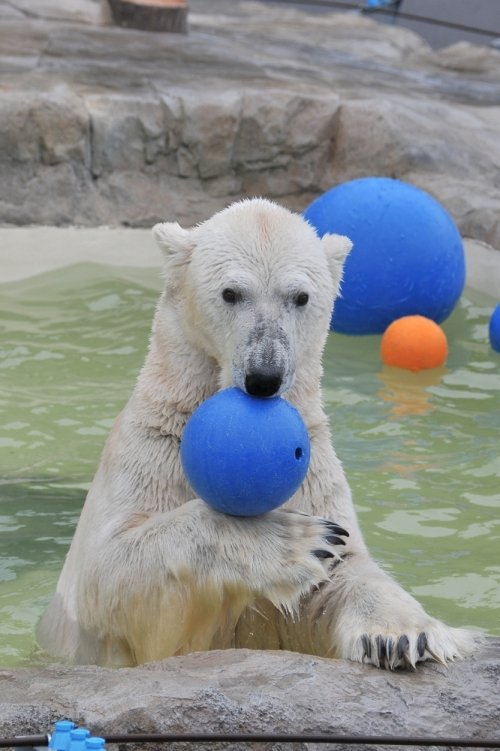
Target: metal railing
x: 395, y: 9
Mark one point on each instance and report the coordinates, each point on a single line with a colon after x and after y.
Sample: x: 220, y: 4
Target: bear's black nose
x: 262, y: 383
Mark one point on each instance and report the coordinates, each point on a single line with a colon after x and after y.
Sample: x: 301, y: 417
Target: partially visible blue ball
x: 407, y: 256
x: 244, y: 455
x: 494, y: 329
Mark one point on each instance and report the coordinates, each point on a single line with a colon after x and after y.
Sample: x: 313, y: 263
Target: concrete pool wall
x: 27, y: 251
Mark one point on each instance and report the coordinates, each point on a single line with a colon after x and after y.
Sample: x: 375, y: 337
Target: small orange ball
x: 414, y: 343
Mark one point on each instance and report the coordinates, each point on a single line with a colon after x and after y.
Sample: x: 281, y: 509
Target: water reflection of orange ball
x: 414, y: 343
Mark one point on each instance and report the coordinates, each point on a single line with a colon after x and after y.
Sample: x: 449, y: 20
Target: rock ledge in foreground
x: 244, y: 691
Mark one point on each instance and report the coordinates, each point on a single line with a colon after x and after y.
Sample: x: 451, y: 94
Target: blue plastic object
x: 59, y: 739
x: 77, y: 738
x: 94, y: 743
x: 244, y: 455
x: 407, y: 256
x: 494, y: 329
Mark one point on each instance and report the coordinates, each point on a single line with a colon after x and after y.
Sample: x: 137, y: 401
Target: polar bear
x: 153, y: 571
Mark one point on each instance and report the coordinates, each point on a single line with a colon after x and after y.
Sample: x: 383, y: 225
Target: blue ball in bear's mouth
x: 245, y: 455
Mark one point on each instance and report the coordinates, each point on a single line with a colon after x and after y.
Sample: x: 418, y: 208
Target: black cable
x: 307, y: 738
x: 379, y: 740
x: 24, y: 740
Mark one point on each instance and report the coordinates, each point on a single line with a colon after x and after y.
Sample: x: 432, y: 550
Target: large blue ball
x: 494, y: 329
x: 243, y: 455
x: 407, y: 256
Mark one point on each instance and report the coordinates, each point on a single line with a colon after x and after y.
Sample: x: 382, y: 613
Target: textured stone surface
x: 243, y: 691
x: 104, y: 125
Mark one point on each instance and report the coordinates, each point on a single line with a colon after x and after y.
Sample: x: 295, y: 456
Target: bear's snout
x: 263, y: 382
x: 268, y: 362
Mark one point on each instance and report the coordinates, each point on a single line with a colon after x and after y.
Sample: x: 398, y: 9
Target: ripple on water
x: 421, y: 453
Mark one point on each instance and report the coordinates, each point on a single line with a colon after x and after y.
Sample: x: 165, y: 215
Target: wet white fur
x: 154, y: 572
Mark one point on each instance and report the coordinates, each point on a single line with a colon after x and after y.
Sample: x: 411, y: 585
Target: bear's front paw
x: 436, y: 642
x: 297, y: 551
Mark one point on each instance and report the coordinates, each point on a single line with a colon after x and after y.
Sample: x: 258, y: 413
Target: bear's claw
x: 336, y: 529
x: 334, y: 540
x: 403, y: 646
x: 335, y: 533
x: 390, y: 653
x: 323, y: 554
x: 421, y: 644
x: 331, y: 537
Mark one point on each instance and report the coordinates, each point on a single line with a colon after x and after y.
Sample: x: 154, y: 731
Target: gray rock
x: 244, y: 691
x: 79, y: 11
x: 104, y: 125
x: 465, y: 57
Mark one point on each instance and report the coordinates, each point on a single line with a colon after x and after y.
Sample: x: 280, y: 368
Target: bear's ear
x: 337, y: 248
x: 176, y: 246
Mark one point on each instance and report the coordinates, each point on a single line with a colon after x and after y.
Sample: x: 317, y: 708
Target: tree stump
x: 150, y: 15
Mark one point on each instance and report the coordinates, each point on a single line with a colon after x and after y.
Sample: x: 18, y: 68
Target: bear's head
x: 253, y: 288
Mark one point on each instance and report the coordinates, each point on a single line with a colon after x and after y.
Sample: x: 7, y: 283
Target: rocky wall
x: 102, y: 125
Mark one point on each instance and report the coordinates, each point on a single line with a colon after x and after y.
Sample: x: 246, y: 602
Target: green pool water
x: 422, y: 452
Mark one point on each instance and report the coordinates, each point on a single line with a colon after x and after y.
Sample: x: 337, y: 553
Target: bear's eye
x: 229, y: 295
x: 301, y: 299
